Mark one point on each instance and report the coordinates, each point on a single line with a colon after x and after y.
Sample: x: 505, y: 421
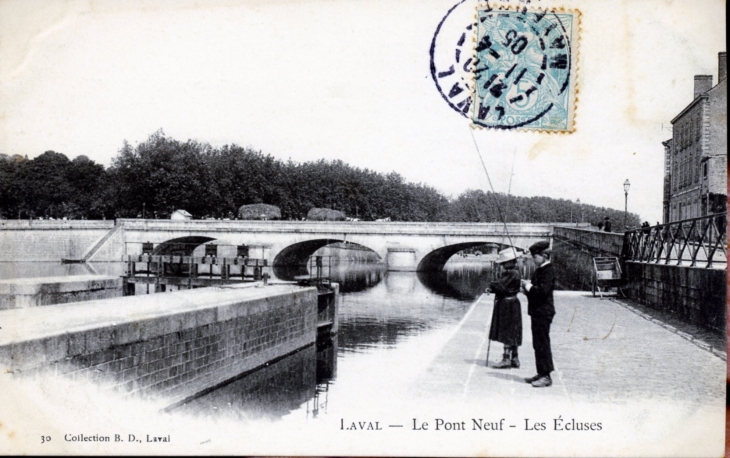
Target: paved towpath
x: 605, y: 350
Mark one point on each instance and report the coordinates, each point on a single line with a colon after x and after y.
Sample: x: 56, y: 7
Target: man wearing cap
x: 607, y: 224
x: 506, y: 326
x: 541, y: 309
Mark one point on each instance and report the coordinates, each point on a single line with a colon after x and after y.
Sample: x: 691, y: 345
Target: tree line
x: 161, y: 175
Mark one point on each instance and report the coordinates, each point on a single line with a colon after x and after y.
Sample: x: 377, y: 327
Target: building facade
x: 695, y: 158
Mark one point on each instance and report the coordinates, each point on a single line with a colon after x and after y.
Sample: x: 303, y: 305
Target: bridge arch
x: 184, y: 246
x: 436, y: 259
x: 292, y: 260
x: 298, y: 254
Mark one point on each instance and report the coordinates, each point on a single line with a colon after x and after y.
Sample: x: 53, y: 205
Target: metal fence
x: 691, y: 242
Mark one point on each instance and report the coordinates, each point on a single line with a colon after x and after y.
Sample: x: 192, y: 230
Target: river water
x: 386, y: 321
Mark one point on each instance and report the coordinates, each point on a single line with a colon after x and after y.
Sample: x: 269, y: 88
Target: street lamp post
x: 626, y: 201
x: 581, y: 211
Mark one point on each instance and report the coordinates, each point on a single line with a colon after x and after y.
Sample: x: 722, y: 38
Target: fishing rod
x: 499, y: 208
x: 509, y: 185
x: 512, y: 172
x: 501, y: 216
x: 523, y: 269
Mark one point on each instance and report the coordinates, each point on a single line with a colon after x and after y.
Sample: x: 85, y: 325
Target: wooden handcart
x: 606, y: 274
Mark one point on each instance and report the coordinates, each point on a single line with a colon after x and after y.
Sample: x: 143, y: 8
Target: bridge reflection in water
x: 381, y: 313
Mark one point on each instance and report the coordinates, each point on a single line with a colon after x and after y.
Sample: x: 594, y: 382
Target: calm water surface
x: 385, y: 320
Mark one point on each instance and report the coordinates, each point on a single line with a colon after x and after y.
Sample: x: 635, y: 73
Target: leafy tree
x: 88, y: 183
x: 8, y: 187
x: 42, y: 187
x: 162, y: 174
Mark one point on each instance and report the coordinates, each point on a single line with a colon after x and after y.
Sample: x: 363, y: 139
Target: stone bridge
x: 402, y: 246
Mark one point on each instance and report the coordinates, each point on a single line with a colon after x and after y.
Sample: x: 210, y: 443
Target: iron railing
x: 691, y: 242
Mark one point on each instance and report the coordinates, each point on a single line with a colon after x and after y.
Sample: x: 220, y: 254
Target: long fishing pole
x: 509, y: 186
x: 512, y: 172
x: 499, y: 209
x: 504, y: 222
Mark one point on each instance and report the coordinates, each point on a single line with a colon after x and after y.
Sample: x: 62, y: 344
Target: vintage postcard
x: 378, y: 228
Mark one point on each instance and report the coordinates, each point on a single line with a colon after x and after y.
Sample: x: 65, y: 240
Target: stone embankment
x: 34, y: 292
x: 168, y: 346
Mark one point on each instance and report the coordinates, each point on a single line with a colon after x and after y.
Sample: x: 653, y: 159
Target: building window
x: 680, y: 181
x: 681, y: 136
x: 698, y: 129
x: 697, y: 165
x: 704, y: 170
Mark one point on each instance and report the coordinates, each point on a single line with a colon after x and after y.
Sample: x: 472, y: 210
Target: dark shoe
x: 515, y: 362
x: 532, y: 379
x: 542, y: 382
x: 504, y: 364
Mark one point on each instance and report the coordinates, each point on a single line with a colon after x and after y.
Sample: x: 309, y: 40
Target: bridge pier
x: 401, y: 260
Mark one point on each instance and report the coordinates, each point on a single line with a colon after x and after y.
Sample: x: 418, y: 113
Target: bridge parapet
x: 340, y: 227
x: 44, y: 224
x: 601, y: 243
x: 573, y: 252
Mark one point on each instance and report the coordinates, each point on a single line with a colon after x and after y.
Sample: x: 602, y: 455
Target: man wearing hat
x: 607, y: 224
x: 541, y: 309
x: 506, y: 326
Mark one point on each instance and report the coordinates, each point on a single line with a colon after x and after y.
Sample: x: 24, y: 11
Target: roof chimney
x: 703, y: 83
x: 722, y: 73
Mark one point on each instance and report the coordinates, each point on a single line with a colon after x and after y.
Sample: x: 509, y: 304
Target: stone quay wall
x: 695, y: 294
x: 43, y: 240
x: 34, y: 292
x: 169, y: 346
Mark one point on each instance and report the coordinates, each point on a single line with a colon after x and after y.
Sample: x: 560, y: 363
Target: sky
x: 349, y: 80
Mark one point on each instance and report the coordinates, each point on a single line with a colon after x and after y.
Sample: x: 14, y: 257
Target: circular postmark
x: 522, y: 69
x: 452, y: 57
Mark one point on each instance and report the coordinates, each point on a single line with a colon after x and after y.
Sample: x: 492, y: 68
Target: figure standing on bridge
x: 506, y: 326
x: 541, y: 308
x: 607, y: 224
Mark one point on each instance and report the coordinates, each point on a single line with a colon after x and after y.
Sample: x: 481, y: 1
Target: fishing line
x: 512, y: 172
x: 499, y: 209
x: 509, y: 186
x: 504, y: 222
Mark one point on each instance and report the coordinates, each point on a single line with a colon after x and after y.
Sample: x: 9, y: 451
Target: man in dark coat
x: 541, y: 308
x: 607, y: 224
